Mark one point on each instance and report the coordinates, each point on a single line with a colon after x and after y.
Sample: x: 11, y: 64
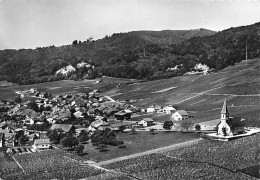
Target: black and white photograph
x: 129, y: 89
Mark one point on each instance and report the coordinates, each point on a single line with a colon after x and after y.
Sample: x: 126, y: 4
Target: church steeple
x: 224, y: 112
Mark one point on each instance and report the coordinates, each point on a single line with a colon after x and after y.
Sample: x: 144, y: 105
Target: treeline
x: 139, y: 55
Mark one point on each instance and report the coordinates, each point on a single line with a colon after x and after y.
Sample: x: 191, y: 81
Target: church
x: 229, y: 126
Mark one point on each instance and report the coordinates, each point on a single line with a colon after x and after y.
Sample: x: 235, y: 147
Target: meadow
x: 135, y: 143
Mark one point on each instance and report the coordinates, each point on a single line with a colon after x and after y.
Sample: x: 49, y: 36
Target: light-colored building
x: 169, y: 109
x: 146, y: 122
x: 41, y: 144
x: 180, y: 115
x: 229, y: 126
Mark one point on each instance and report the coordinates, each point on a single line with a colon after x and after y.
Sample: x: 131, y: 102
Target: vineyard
x: 54, y: 164
x: 234, y: 155
x: 159, y: 166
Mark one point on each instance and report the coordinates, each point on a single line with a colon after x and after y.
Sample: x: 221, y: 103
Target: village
x: 81, y: 114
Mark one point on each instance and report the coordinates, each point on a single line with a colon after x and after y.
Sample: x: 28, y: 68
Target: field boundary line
x: 101, y: 168
x: 162, y: 149
x: 19, y: 165
x: 199, y: 94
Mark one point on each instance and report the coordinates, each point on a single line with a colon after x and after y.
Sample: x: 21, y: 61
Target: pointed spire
x: 224, y: 108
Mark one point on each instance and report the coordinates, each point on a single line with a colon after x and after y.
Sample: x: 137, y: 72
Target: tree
x: 197, y: 127
x: 69, y: 141
x: 133, y: 131
x: 186, y: 125
x: 75, y: 42
x: 107, y: 137
x: 23, y: 139
x: 83, y: 136
x: 152, y: 131
x: 32, y: 105
x: 18, y: 100
x: 224, y: 130
x: 122, y: 128
x: 35, y: 137
x: 79, y: 149
x: 54, y: 135
x: 167, y: 125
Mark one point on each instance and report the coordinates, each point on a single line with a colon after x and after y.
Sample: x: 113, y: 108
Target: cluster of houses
x: 176, y: 115
x: 91, y: 111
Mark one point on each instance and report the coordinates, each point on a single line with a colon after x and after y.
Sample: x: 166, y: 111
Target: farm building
x: 229, y: 126
x: 169, y: 109
x: 146, y: 122
x: 180, y: 115
x: 41, y: 144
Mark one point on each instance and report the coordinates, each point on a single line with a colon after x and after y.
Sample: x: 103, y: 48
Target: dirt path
x: 163, y: 149
x: 199, y: 94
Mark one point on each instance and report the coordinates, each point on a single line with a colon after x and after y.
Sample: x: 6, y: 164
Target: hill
x: 27, y: 66
x: 148, y: 55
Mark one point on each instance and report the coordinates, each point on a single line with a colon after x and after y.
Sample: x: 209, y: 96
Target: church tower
x: 224, y: 112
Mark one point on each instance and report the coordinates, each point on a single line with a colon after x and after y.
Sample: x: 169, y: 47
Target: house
x: 146, y: 122
x: 154, y: 108
x: 98, y: 124
x: 67, y: 128
x: 169, y: 109
x: 229, y: 126
x: 78, y: 130
x: 150, y: 109
x: 180, y: 115
x: 41, y: 144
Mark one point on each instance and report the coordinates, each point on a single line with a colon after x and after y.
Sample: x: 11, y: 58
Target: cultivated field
x: 52, y: 164
x: 159, y: 166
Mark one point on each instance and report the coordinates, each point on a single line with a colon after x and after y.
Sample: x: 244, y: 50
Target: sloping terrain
x: 204, y: 95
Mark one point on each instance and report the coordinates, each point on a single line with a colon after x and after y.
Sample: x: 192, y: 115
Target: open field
x: 136, y: 143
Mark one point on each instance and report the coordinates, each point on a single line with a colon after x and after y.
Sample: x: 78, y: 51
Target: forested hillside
x: 139, y: 54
